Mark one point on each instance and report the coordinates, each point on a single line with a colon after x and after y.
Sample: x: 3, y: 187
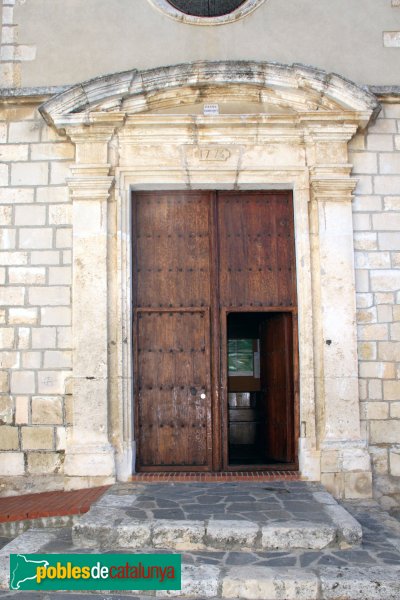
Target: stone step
x: 104, y: 530
x: 302, y: 519
x: 232, y: 575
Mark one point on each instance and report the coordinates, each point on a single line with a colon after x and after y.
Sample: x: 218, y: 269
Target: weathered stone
x: 12, y: 464
x: 24, y: 131
x: 394, y: 462
x: 200, y: 581
x: 391, y: 390
x: 53, y: 151
x: 31, y: 360
x: 29, y: 542
x: 6, y: 402
x: 47, y: 410
x: 60, y: 214
x: 360, y: 583
x: 60, y: 276
x: 26, y: 173
x: 9, y: 437
x: 21, y: 410
x: 98, y: 530
x: 22, y: 382
x: 27, y: 275
x: 23, y: 316
x: 30, y: 215
x: 59, y: 315
x: 179, y: 535
x: 265, y: 582
x: 374, y: 410
x: 350, y: 530
x: 52, y: 194
x: 37, y: 438
x: 42, y: 463
x: 231, y: 534
x: 358, y: 485
x: 57, y: 359
x: 379, y: 458
x: 53, y: 296
x: 297, y: 534
x: 44, y: 337
x: 34, y: 238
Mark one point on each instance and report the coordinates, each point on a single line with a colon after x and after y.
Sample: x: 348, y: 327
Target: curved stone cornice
x: 297, y: 88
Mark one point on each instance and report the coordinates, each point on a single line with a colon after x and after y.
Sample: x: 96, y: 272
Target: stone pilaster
x: 345, y: 462
x: 89, y: 454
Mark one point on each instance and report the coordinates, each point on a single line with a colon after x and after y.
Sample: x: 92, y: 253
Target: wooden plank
x: 173, y: 388
x: 172, y: 249
x: 202, y: 255
x: 277, y: 386
x: 172, y: 321
x: 257, y: 257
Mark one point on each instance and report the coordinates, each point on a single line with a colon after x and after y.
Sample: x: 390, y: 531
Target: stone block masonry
x: 35, y: 314
x: 35, y: 326
x: 12, y: 54
x: 376, y: 214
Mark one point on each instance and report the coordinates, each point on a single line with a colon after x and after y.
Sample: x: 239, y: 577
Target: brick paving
x: 218, y: 477
x: 48, y: 504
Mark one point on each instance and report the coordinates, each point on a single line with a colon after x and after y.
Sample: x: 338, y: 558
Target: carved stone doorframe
x: 289, y: 130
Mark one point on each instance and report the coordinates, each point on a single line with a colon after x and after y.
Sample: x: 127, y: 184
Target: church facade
x: 200, y: 249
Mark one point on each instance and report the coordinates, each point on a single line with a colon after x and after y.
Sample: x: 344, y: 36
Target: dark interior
x: 206, y: 8
x: 252, y: 388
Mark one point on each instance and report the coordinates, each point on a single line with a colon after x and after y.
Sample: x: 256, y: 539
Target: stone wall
x: 376, y: 218
x: 62, y: 53
x: 35, y: 298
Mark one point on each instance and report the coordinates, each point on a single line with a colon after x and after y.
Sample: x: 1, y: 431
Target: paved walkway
x: 380, y: 553
x: 253, y: 501
x: 366, y: 571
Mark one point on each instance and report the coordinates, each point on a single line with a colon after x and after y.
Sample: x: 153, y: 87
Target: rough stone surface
x: 363, y: 572
x: 179, y: 535
x: 239, y: 535
x: 259, y: 584
x: 216, y: 517
x: 359, y: 583
x: 297, y: 534
x: 38, y: 217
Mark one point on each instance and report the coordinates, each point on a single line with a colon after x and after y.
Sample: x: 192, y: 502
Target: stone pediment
x: 239, y: 87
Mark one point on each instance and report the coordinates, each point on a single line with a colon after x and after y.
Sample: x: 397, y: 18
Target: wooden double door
x: 198, y: 257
